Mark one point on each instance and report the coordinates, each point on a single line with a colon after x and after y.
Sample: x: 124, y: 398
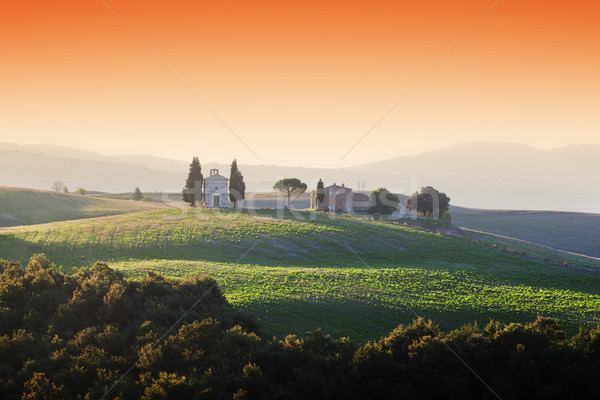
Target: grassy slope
x: 28, y: 206
x: 357, y: 278
x: 577, y: 232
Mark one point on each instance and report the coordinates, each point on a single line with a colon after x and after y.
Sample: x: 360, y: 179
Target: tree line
x: 74, y: 336
x: 60, y: 187
x: 428, y: 202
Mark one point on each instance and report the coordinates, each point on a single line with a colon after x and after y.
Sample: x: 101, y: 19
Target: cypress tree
x: 192, y: 192
x: 320, y: 193
x: 237, y: 187
x: 137, y: 194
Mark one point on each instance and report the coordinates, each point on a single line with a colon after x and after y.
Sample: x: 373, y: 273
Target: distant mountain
x: 504, y: 175
x: 56, y: 151
x: 570, y: 165
x: 480, y: 175
x: 38, y: 171
x: 152, y: 162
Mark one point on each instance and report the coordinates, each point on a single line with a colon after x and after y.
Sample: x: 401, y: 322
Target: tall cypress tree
x: 320, y: 193
x: 137, y: 194
x: 192, y: 192
x: 237, y: 187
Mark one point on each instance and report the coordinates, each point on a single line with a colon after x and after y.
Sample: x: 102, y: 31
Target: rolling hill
x: 27, y: 206
x: 29, y: 169
x: 346, y: 276
x: 496, y: 159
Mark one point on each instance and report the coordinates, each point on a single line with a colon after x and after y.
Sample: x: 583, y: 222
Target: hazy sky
x: 298, y: 82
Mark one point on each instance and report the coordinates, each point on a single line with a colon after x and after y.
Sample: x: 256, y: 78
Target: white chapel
x: 216, y: 190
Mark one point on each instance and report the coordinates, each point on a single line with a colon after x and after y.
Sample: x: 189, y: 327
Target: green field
x: 28, y: 206
x: 349, y: 277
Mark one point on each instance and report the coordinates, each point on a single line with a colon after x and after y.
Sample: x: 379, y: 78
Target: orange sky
x: 299, y: 82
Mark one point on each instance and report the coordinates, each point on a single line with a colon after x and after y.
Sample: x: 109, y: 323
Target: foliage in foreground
x: 74, y: 336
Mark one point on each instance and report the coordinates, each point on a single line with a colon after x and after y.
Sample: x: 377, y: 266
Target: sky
x: 298, y: 82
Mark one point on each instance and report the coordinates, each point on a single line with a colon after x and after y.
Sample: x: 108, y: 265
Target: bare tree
x: 58, y: 186
x: 361, y: 184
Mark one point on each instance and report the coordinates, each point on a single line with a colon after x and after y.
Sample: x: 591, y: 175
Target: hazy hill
x: 572, y: 165
x: 27, y: 206
x: 35, y: 170
x: 152, y: 162
x: 482, y: 175
x: 504, y: 175
x: 55, y: 151
x: 37, y: 166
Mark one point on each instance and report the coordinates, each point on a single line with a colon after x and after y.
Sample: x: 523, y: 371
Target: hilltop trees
x: 192, y: 192
x: 429, y: 201
x: 383, y: 202
x: 237, y: 187
x: 137, y: 194
x: 290, y: 186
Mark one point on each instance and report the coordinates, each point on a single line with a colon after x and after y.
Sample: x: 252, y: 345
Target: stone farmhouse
x: 216, y: 190
x: 342, y: 198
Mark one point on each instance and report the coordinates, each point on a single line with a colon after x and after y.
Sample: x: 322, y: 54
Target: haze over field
x: 477, y: 174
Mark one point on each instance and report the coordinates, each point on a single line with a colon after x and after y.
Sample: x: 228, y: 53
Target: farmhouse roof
x: 338, y: 188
